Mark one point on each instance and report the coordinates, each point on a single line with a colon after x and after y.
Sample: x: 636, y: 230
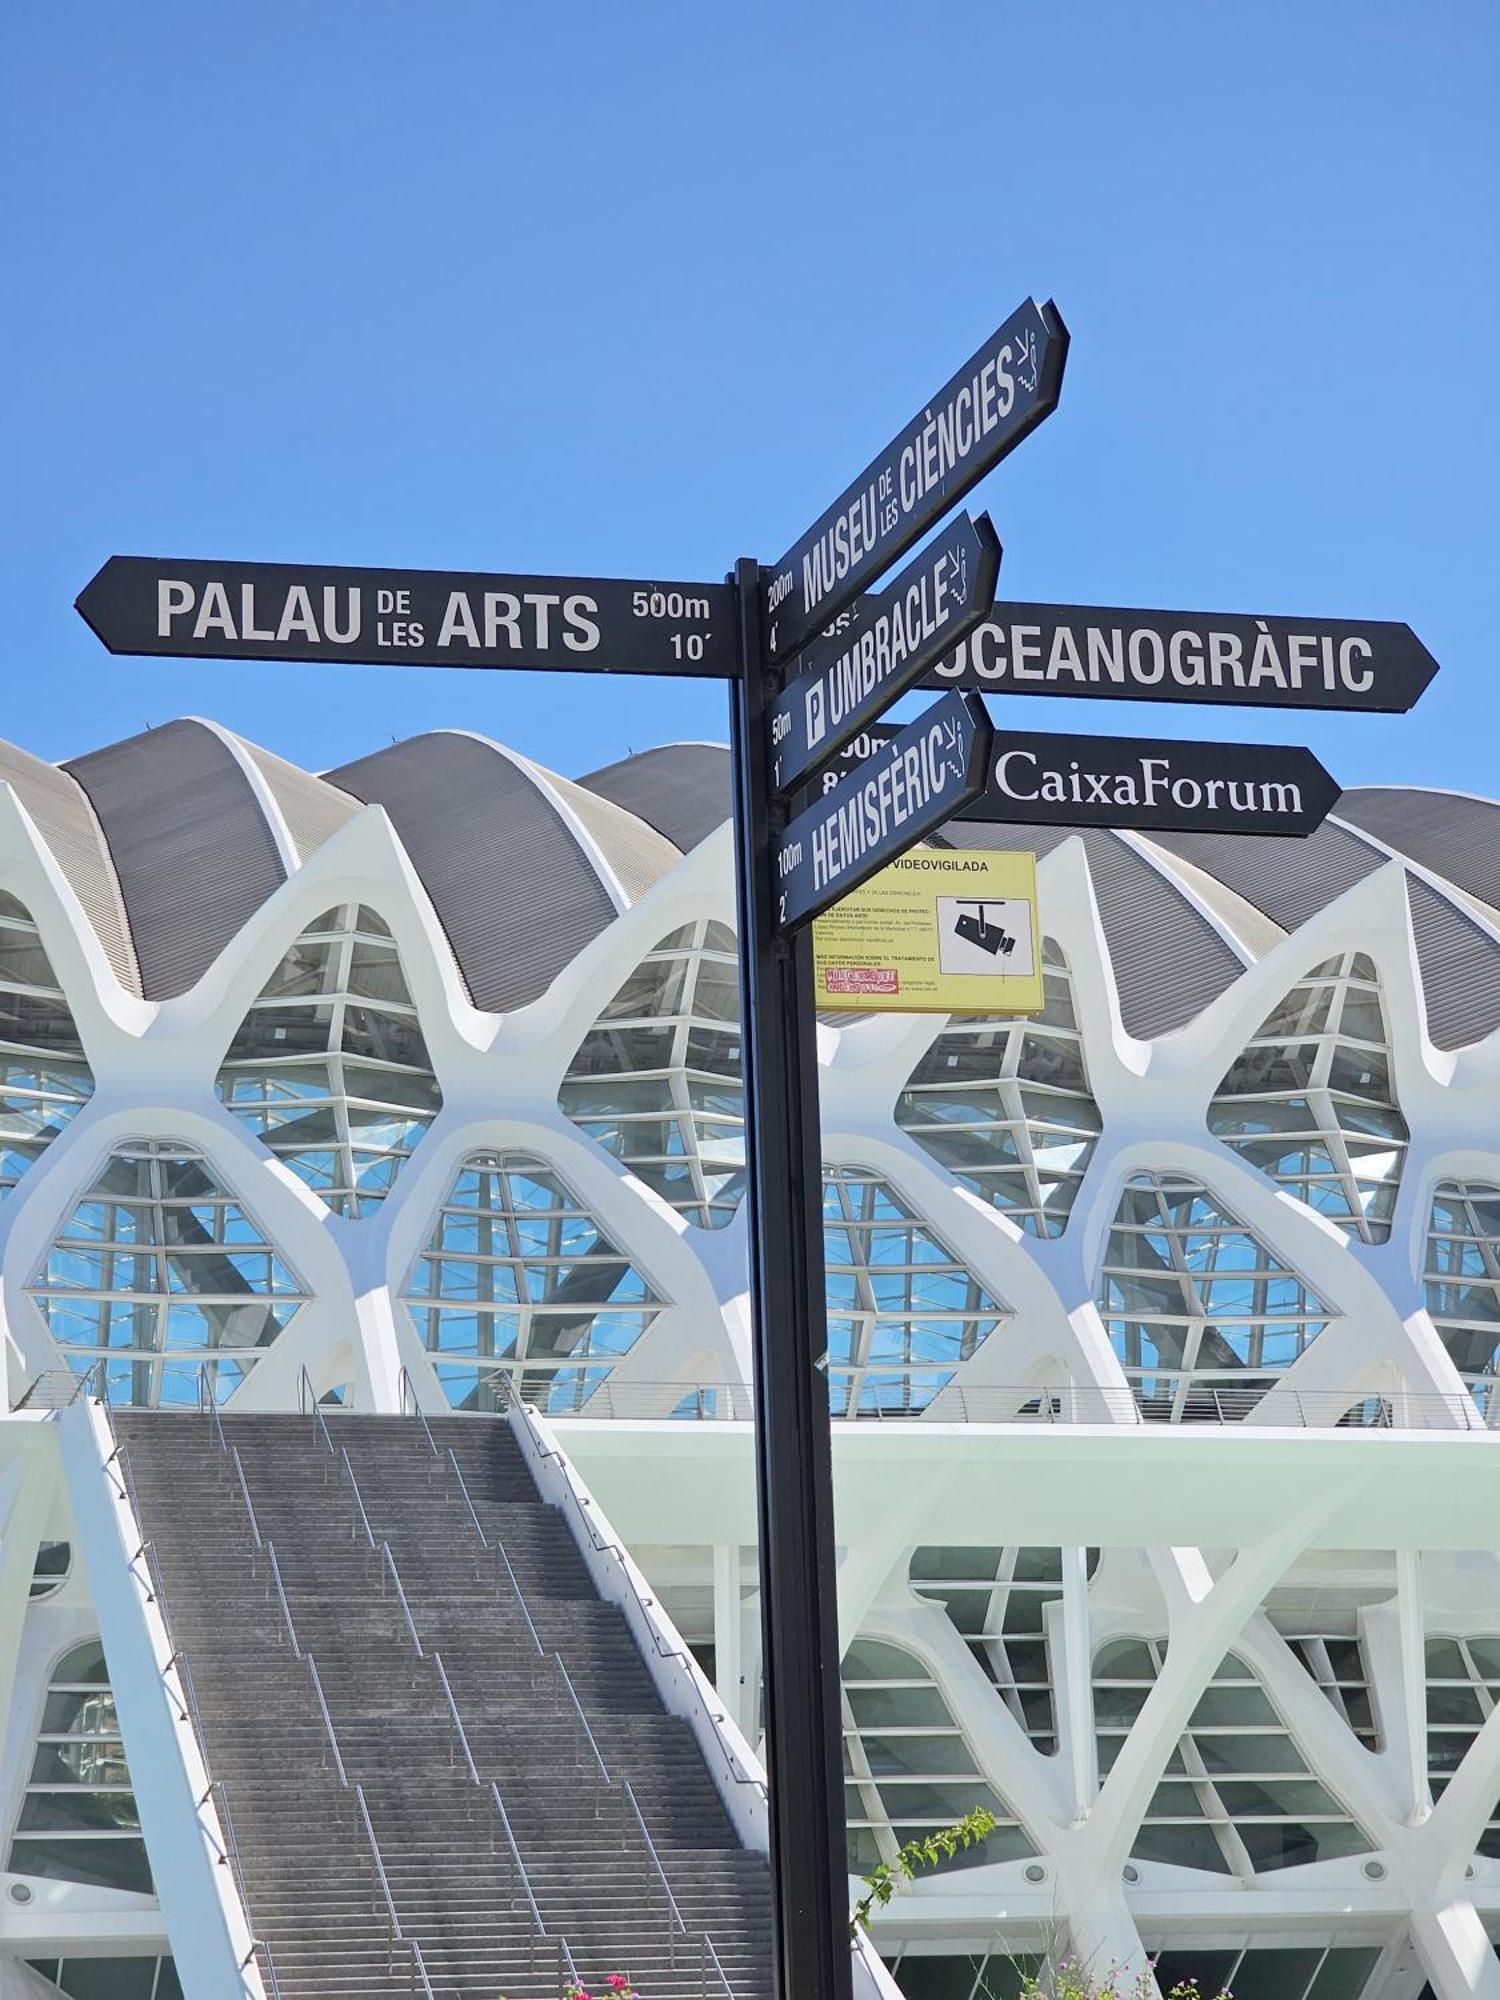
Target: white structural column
x: 1456, y: 1951
x: 729, y: 1666
x: 1412, y: 1628
x: 1075, y: 1697
x: 26, y: 1489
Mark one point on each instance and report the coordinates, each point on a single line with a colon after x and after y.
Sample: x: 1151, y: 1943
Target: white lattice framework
x: 1382, y: 1345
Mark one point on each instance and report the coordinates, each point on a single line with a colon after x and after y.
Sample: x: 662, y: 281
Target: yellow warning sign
x: 941, y: 931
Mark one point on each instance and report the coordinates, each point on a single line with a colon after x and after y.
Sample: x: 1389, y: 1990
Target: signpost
x: 848, y: 677
x: 1141, y: 782
x: 925, y: 774
x: 411, y: 617
x: 881, y: 790
x: 1191, y: 656
x: 996, y: 399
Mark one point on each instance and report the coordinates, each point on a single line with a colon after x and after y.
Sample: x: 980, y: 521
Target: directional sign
x: 1000, y: 395
x: 411, y: 617
x: 845, y: 680
x: 1193, y: 656
x: 924, y: 775
x: 1136, y: 782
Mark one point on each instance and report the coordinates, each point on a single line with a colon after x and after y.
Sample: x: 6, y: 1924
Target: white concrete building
x: 1164, y: 1326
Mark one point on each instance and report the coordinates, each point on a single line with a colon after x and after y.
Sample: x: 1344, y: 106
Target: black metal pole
x: 793, y: 1453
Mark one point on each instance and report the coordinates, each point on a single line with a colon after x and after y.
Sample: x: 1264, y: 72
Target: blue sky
x: 635, y: 290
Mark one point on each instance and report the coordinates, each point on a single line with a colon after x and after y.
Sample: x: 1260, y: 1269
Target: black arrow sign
x: 999, y: 396
x: 925, y: 774
x: 1137, y: 782
x: 1192, y: 656
x: 847, y: 679
x: 411, y: 617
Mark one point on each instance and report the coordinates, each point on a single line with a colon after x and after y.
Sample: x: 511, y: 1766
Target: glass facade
x: 903, y: 1312
x: 656, y: 1080
x: 137, y: 1978
x: 520, y: 1288
x: 329, y: 1068
x: 1461, y: 1282
x: 1463, y: 1688
x: 997, y: 1600
x: 161, y: 1273
x: 1201, y: 1313
x: 1311, y: 1102
x: 1005, y: 1106
x: 1237, y: 1797
x: 1336, y: 1661
x: 908, y: 1768
x: 45, y: 1079
x: 78, y: 1821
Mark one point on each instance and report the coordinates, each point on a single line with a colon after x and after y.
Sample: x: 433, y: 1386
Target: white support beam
x: 728, y: 1651
x: 1411, y: 1625
x: 1075, y: 1693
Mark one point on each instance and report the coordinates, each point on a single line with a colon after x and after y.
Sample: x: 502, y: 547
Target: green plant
x: 1071, y: 1979
x: 933, y: 1848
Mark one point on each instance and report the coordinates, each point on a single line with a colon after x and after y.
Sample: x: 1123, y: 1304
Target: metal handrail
x: 286, y: 1609
x: 260, y: 1945
x: 178, y: 1660
x: 317, y: 1681
x: 420, y: 1966
x: 463, y: 1488
x: 409, y: 1388
x: 239, y: 1473
x: 236, y: 1866
x: 567, y: 1680
x: 708, y: 1946
x: 358, y: 1500
x: 380, y: 1875
x: 569, y: 1963
x: 458, y: 1725
x: 520, y: 1598
x: 605, y: 1547
x: 309, y: 1401
x: 515, y: 1854
x: 411, y: 1623
x: 654, y: 1857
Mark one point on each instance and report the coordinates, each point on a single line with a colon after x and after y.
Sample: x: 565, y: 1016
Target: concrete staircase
x: 446, y: 1767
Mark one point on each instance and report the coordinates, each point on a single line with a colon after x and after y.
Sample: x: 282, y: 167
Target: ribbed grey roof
x: 515, y: 887
x: 313, y: 810
x: 1290, y: 880
x: 682, y: 789
x: 1460, y: 968
x: 66, y: 821
x: 1456, y: 837
x: 192, y: 849
x: 1169, y: 960
x: 173, y: 839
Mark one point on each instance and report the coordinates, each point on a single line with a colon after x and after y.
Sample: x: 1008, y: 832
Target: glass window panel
x: 219, y: 1282
x: 1319, y: 1065
x: 535, y: 1275
x: 965, y: 1104
x: 336, y: 1047
x: 671, y: 1002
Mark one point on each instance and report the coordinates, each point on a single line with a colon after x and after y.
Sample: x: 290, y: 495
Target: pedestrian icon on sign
x: 985, y: 935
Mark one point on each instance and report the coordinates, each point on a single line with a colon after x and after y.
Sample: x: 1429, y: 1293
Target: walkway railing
x: 1160, y: 1400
